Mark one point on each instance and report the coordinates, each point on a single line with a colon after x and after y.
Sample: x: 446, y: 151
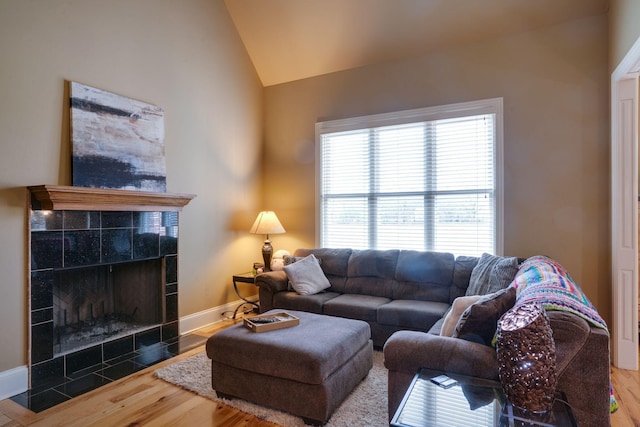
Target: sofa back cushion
x: 491, y: 274
x: 461, y: 275
x: 334, y: 264
x: 371, y: 272
x: 423, y: 275
x: 394, y: 274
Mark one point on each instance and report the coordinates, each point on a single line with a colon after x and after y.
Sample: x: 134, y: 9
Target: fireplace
x: 103, y: 282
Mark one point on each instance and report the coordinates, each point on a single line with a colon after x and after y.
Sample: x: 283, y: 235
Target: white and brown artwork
x: 117, y: 142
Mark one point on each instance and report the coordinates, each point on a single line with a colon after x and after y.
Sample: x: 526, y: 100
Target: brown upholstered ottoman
x: 306, y: 370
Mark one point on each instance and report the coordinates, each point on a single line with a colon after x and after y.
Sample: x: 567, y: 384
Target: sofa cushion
x: 418, y: 266
x: 371, y: 272
x: 375, y: 286
x: 373, y: 263
x: 462, y: 275
x: 363, y: 307
x: 423, y: 276
x: 437, y: 327
x: 294, y: 301
x: 479, y: 322
x: 491, y: 274
x: 458, y: 307
x: 411, y: 314
x: 306, y: 276
x: 334, y: 263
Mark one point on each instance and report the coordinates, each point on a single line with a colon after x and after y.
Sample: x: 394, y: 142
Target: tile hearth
x: 62, y: 388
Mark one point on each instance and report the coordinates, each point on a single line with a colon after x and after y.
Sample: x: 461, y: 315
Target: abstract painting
x: 117, y: 142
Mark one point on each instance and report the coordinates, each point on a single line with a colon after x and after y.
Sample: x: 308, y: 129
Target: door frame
x: 624, y: 209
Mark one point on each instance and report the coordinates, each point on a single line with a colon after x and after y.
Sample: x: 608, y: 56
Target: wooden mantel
x: 60, y: 197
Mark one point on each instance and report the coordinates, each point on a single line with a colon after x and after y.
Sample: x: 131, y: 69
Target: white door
x: 624, y: 216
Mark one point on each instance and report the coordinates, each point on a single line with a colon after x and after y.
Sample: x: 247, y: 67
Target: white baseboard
x: 208, y: 317
x: 14, y: 381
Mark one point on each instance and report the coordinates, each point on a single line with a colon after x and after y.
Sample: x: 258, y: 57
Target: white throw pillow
x: 306, y: 276
x: 458, y: 307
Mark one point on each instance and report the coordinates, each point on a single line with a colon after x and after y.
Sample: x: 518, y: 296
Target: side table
x: 472, y: 402
x: 248, y: 277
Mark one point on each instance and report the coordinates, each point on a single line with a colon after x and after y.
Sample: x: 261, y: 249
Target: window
x: 427, y: 179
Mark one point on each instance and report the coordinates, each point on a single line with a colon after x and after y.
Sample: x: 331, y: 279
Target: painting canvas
x: 117, y: 142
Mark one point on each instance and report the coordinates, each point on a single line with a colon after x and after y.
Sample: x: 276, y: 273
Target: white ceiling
x: 294, y: 39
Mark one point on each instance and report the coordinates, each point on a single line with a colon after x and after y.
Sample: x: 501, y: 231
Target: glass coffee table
x: 469, y: 401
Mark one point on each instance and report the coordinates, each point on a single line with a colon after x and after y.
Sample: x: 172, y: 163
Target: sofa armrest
x: 269, y: 284
x: 582, y: 357
x: 273, y: 281
x: 407, y: 351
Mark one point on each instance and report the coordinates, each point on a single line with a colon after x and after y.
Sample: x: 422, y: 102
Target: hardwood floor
x: 137, y: 400
x: 627, y: 389
x: 141, y: 399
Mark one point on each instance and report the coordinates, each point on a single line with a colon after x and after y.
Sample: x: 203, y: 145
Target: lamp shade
x: 267, y: 223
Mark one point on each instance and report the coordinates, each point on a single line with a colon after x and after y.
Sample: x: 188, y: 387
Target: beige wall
x: 555, y: 88
x: 624, y: 29
x: 184, y: 56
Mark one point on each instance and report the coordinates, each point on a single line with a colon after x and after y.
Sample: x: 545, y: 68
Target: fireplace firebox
x: 105, y: 302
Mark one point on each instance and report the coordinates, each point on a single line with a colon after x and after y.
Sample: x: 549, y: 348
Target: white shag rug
x: 366, y: 406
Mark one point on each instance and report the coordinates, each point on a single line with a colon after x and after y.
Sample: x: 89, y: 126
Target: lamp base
x: 267, y: 252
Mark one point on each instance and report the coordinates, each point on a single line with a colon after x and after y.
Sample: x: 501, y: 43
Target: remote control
x: 264, y: 320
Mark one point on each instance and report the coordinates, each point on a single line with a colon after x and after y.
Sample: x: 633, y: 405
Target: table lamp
x: 267, y: 223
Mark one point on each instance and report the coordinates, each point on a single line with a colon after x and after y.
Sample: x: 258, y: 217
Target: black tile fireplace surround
x: 63, y: 240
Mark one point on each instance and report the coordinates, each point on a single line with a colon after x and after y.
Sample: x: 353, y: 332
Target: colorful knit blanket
x: 541, y: 279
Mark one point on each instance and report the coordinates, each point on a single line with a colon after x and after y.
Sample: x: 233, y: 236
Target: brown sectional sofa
x: 392, y: 290
x: 404, y: 295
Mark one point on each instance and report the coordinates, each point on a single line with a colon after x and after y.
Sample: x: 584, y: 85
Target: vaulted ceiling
x: 294, y: 39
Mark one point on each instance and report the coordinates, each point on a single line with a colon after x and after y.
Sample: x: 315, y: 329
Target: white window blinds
x: 423, y: 179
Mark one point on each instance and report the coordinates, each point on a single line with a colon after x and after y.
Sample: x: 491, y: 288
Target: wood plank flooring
x: 137, y: 400
x: 143, y: 400
x: 627, y: 389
